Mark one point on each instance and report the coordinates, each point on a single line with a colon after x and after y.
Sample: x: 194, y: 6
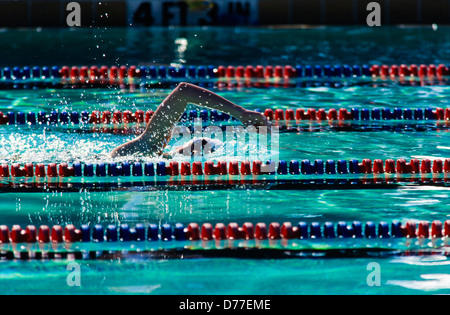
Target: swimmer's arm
x: 159, y: 129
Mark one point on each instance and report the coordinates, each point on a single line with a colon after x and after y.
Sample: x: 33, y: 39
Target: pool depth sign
x: 192, y: 12
x: 166, y: 13
x: 90, y: 13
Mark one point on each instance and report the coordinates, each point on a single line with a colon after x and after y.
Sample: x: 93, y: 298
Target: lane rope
x: 295, y: 175
x: 95, y: 76
x: 303, y: 239
x: 193, y: 232
x: 318, y: 167
x: 115, y: 117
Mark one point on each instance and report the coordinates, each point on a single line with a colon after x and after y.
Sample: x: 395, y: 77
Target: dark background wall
x: 51, y: 13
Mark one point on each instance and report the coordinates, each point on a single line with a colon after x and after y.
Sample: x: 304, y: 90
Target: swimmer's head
x: 197, y: 147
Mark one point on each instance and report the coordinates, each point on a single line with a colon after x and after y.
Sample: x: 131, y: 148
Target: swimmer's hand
x: 252, y: 118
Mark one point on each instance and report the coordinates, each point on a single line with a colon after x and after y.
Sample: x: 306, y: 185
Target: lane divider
x: 208, y: 232
x: 204, y: 72
x: 295, y: 175
x: 337, y: 71
x: 363, y: 114
x: 96, y: 117
x: 105, y: 75
x: 117, y: 117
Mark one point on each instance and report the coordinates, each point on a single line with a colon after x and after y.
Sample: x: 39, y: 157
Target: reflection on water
x: 223, y: 206
x: 429, y: 282
x: 422, y: 261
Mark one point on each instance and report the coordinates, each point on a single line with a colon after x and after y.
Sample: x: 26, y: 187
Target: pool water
x: 399, y: 275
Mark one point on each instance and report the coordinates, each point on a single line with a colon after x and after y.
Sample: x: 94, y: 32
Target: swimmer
x: 159, y: 129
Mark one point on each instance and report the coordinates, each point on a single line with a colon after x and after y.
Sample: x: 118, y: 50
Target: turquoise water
x: 399, y: 275
x: 409, y: 275
x: 220, y: 276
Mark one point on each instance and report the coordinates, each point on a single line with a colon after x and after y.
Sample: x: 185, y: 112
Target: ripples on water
x: 54, y: 144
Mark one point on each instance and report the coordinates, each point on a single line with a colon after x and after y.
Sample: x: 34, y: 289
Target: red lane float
x: 220, y: 232
x: 44, y: 234
x: 413, y: 70
x: 207, y: 232
x: 30, y: 234
x: 193, y: 232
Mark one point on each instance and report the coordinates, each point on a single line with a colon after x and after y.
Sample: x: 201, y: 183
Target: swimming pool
x: 402, y: 274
